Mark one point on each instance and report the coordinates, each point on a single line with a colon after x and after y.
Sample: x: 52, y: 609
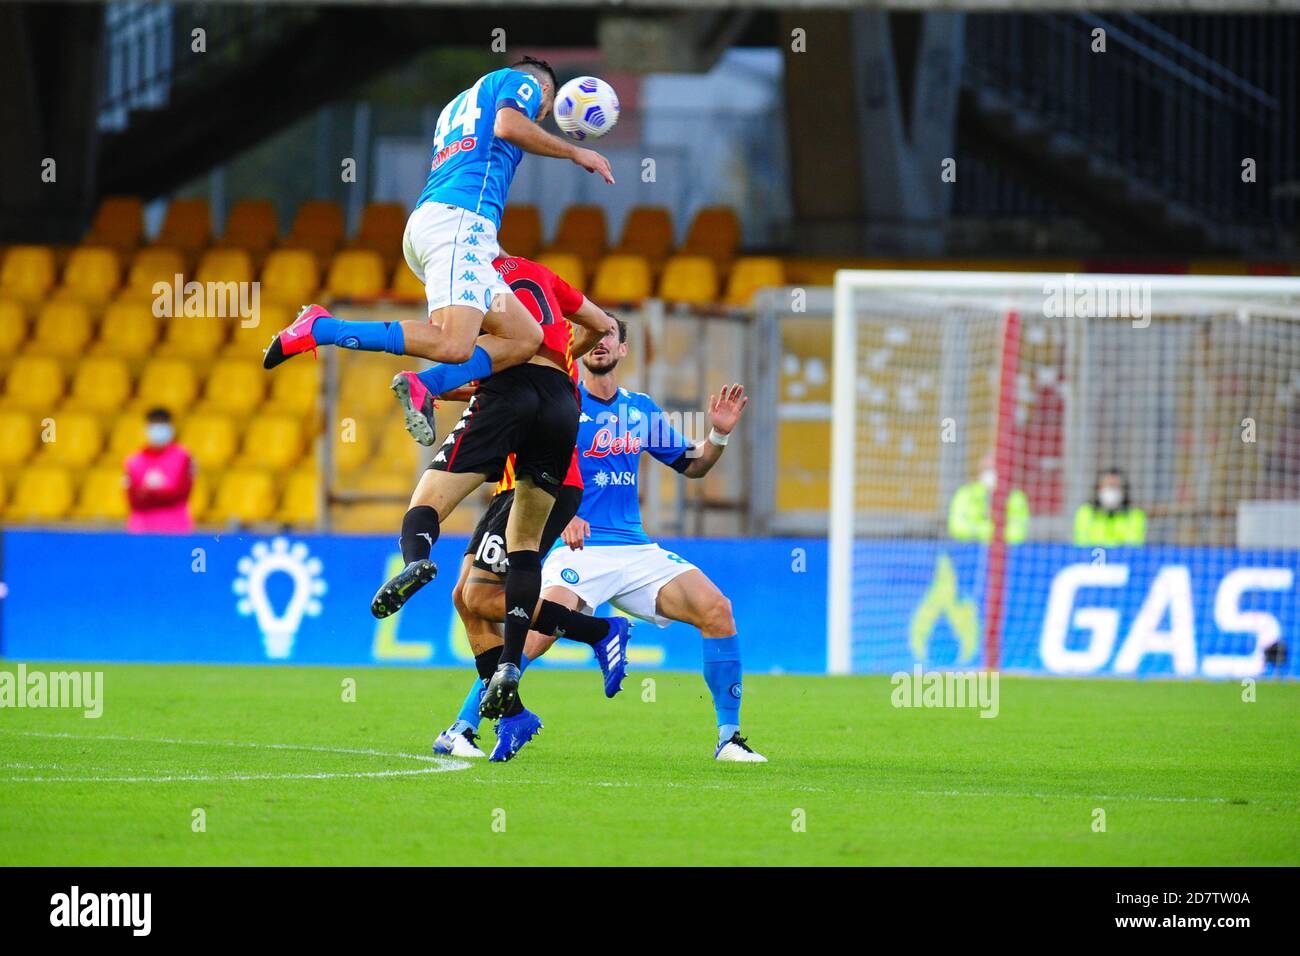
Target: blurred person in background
x: 159, y: 478
x: 1110, y: 520
x: 970, y: 513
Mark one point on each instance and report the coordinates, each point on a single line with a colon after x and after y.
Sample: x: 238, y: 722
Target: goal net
x: 1065, y: 474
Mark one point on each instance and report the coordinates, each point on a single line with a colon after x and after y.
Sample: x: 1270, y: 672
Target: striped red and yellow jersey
x: 548, y: 299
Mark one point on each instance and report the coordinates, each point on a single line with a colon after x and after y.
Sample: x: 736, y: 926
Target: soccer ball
x: 586, y: 108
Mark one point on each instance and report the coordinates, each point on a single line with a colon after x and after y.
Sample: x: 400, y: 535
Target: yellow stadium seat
x: 193, y: 337
x: 581, y: 232
x: 72, y: 438
x: 155, y: 265
x: 272, y: 441
x: 129, y: 330
x: 566, y: 265
x: 249, y: 341
x: 27, y: 273
x: 4, y: 494
x: 201, y: 497
x: 290, y: 277
x: 41, y: 493
x: 295, y: 388
x: 622, y: 279
x: 648, y: 232
x: 356, y: 274
x: 252, y: 225
x: 361, y: 394
x: 748, y: 275
x: 349, y: 456
x: 211, y: 439
x: 92, y: 274
x: 100, y: 384
x: 692, y: 280
x: 13, y: 327
x: 300, y: 499
x: 405, y: 285
x: 521, y: 231
x: 225, y: 265
x: 17, y: 437
x: 124, y: 439
x: 168, y: 383
x: 381, y: 229
x: 102, y: 497
x: 186, y: 226
x: 715, y: 233
x: 235, y: 386
x: 321, y: 218
x: 119, y: 223
x: 34, y: 382
x: 63, y: 329
x: 246, y: 496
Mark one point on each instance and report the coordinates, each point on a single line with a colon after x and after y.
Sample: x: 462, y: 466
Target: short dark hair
x: 622, y: 326
x: 158, y: 414
x: 533, y: 65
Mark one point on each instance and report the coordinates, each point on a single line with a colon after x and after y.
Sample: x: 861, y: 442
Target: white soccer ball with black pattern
x: 586, y: 108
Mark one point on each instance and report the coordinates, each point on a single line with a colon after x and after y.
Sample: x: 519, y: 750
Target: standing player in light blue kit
x: 609, y: 556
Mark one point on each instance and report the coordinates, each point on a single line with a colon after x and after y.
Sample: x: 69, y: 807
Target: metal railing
x: 1177, y: 103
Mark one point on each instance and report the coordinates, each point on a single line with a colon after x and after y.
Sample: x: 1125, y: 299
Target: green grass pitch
x: 1186, y: 773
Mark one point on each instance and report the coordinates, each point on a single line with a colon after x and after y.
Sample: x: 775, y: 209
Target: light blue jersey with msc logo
x: 471, y: 167
x: 611, y: 438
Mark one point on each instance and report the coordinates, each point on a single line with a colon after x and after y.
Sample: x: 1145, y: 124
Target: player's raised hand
x: 575, y: 533
x: 725, y: 408
x: 593, y: 162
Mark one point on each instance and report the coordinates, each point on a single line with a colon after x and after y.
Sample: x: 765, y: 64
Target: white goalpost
x: 975, y: 415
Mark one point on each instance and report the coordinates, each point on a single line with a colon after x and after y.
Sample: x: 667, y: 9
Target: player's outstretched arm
x: 516, y: 128
x: 593, y: 323
x: 724, y: 414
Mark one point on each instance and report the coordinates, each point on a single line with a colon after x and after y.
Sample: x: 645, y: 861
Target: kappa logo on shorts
x: 468, y: 276
x: 471, y: 257
x: 467, y: 296
x: 569, y: 576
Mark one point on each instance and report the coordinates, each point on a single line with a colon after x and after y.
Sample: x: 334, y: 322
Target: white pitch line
x: 435, y: 764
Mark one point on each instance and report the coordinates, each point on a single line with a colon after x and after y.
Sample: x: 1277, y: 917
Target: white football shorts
x: 629, y: 576
x: 451, y: 250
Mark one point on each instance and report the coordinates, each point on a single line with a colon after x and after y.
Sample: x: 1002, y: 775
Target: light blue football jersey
x: 471, y: 167
x: 611, y: 439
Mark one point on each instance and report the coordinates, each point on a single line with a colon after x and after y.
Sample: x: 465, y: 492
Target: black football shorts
x: 488, y: 542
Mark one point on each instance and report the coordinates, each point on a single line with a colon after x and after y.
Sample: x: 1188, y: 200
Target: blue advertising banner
x: 305, y: 599
x: 1161, y: 611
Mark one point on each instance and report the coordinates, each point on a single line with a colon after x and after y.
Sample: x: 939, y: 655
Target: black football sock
x: 486, y: 663
x: 523, y: 587
x: 419, y: 533
x: 560, y: 621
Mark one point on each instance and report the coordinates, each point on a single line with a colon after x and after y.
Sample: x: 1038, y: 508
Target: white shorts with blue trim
x: 451, y: 250
x: 629, y: 576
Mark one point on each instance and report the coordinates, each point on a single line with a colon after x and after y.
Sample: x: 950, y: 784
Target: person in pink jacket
x: 158, y: 481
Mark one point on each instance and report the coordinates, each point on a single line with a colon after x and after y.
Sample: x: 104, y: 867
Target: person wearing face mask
x: 1109, y: 520
x: 159, y: 478
x: 970, y: 513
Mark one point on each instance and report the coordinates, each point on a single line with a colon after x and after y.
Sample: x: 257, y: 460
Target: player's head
x: 158, y: 428
x: 542, y: 71
x: 609, y: 351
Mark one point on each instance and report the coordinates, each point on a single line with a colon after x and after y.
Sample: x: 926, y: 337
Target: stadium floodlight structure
x: 1190, y: 385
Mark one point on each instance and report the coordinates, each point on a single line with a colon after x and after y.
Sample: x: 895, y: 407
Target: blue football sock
x: 468, y: 718
x: 723, y: 675
x: 363, y: 336
x: 444, y: 377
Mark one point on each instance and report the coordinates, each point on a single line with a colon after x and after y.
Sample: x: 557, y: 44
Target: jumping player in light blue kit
x: 608, y: 555
x: 450, y: 244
